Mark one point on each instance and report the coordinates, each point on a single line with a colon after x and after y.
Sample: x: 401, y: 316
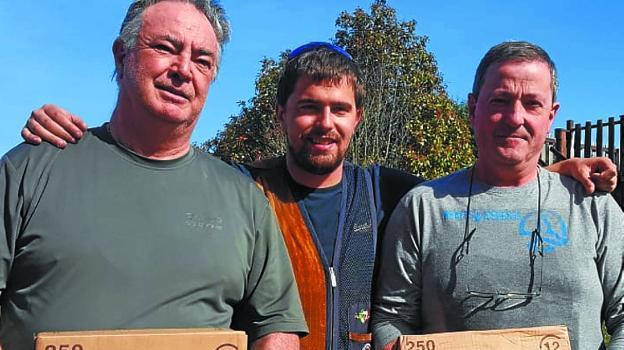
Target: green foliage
x: 253, y: 134
x: 441, y: 140
x: 409, y: 121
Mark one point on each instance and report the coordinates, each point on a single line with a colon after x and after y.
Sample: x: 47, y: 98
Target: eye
x: 498, y: 101
x: 163, y: 48
x: 204, y: 63
x: 308, y: 107
x: 340, y: 110
x: 534, y: 104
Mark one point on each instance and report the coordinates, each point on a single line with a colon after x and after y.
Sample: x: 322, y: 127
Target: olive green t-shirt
x: 95, y: 237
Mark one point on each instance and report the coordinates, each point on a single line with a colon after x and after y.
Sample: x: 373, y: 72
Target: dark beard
x: 317, y: 165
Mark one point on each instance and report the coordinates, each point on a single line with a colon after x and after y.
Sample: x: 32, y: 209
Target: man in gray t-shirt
x: 504, y: 244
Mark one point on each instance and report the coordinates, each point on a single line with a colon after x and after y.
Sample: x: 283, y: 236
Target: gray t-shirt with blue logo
x: 441, y: 272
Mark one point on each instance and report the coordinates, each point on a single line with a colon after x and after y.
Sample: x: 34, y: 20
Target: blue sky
x: 58, y: 51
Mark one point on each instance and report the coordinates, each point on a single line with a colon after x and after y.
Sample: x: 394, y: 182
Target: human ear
x: 119, y: 54
x: 472, y: 106
x: 279, y: 116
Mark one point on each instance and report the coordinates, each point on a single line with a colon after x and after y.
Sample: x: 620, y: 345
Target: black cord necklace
x: 536, y: 246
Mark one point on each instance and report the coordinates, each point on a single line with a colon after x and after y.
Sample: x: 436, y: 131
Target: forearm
x: 277, y: 341
x: 592, y: 173
x: 396, y: 305
x: 557, y: 167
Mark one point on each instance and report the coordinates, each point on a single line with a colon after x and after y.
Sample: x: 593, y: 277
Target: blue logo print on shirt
x: 554, y: 229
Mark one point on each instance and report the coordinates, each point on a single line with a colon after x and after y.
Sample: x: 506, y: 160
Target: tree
x: 253, y: 134
x: 410, y: 123
x: 440, y: 140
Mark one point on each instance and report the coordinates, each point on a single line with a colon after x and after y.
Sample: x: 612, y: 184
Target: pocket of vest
x: 360, y: 337
x: 360, y: 341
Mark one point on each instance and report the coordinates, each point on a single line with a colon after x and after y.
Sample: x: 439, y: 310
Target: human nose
x: 516, y: 114
x: 324, y: 119
x: 181, y: 67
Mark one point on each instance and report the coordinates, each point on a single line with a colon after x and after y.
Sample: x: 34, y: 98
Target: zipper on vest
x: 333, y: 283
x: 332, y: 277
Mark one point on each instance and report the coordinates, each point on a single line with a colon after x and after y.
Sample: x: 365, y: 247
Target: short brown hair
x: 514, y: 51
x: 320, y: 64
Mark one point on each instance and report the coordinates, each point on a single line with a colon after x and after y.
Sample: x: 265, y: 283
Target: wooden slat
x: 611, y: 136
x: 587, y: 152
x: 570, y: 130
x: 599, y: 145
x: 561, y: 142
x: 577, y: 140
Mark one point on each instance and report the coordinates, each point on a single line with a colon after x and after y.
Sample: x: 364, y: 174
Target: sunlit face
x: 169, y: 71
x: 319, y: 120
x: 512, y: 114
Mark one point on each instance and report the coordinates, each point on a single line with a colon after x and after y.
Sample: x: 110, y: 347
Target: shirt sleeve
x: 243, y: 168
x: 271, y: 301
x: 610, y: 263
x: 10, y: 221
x: 396, y: 305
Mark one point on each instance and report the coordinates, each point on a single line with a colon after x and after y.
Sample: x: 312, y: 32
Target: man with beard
x: 329, y: 210
x: 326, y: 207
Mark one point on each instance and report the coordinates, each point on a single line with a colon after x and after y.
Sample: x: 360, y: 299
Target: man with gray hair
x: 146, y: 232
x: 504, y: 243
x: 332, y: 213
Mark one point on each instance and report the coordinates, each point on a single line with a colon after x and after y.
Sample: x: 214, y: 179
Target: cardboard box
x: 538, y: 338
x: 144, y: 339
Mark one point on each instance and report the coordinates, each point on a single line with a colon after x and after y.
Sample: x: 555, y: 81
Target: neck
x: 308, y: 179
x: 504, y: 177
x: 149, y: 138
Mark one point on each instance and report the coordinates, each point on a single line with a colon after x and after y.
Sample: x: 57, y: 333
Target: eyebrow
x: 307, y: 100
x: 503, y: 91
x: 507, y: 93
x: 332, y: 103
x: 206, y: 52
x: 178, y: 44
x: 175, y: 41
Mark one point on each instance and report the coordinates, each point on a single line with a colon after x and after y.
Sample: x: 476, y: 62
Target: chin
x: 323, y: 164
x: 318, y: 164
x: 511, y: 162
x: 510, y: 154
x: 175, y: 115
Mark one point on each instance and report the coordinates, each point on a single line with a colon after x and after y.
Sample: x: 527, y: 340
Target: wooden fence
x: 589, y: 140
